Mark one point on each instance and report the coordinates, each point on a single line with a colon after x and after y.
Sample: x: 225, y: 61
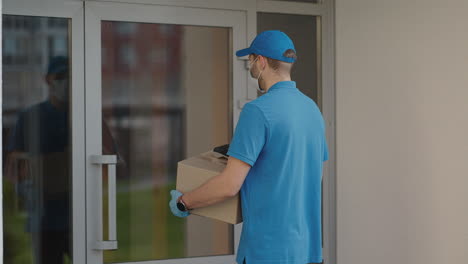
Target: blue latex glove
x: 173, y: 204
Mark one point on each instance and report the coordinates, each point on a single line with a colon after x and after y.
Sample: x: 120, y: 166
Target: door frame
x: 72, y: 10
x: 95, y: 12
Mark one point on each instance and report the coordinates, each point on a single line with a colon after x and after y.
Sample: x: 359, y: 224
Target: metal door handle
x: 110, y: 161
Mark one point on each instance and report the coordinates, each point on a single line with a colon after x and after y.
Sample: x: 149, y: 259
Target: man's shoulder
x: 256, y: 106
x: 260, y: 102
x: 34, y: 112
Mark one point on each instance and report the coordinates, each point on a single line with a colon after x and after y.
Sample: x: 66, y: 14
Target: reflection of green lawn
x: 17, y: 241
x: 146, y: 229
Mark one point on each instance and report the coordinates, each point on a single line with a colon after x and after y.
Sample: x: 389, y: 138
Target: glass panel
x: 37, y: 150
x: 165, y: 96
x: 305, y: 33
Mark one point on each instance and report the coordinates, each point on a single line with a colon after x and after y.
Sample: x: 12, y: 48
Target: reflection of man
x: 43, y: 128
x: 38, y: 160
x: 276, y: 160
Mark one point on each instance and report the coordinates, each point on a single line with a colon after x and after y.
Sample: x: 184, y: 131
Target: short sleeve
x: 250, y: 135
x: 325, y: 149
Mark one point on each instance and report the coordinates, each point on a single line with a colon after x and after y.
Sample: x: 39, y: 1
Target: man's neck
x: 268, y: 82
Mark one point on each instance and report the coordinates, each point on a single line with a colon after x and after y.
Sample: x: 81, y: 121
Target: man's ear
x: 263, y: 62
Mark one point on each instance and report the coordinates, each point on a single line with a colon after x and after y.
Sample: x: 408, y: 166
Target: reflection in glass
x: 165, y: 97
x: 36, y: 165
x: 303, y: 30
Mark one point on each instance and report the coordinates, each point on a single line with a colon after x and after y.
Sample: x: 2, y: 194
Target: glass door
x: 43, y: 132
x: 162, y: 84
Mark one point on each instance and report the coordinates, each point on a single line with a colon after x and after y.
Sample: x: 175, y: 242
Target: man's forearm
x: 215, y: 190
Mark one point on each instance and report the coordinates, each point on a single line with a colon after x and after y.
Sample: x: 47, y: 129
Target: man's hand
x: 173, y: 204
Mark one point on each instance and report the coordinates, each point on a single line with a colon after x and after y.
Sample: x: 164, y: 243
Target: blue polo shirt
x: 282, y: 136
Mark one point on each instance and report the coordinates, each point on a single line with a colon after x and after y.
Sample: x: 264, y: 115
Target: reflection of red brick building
x: 143, y: 103
x: 142, y: 98
x: 126, y: 52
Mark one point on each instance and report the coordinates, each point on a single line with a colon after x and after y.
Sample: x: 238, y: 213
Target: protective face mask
x: 258, y: 77
x: 258, y: 83
x: 59, y: 89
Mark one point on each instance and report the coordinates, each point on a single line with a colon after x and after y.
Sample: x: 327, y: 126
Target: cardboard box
x: 193, y: 172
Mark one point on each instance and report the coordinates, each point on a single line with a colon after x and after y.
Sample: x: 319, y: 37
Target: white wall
x: 402, y: 131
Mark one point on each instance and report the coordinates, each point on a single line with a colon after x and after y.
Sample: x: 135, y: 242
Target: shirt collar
x: 283, y: 85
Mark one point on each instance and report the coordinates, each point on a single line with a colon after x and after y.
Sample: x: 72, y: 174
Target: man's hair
x: 275, y: 64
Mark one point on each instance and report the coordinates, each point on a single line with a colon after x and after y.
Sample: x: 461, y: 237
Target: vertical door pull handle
x: 110, y: 161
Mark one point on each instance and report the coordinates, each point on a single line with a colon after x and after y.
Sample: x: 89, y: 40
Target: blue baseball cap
x: 271, y: 44
x: 58, y: 65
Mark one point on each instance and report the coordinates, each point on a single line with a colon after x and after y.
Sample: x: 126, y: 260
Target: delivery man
x: 275, y: 160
